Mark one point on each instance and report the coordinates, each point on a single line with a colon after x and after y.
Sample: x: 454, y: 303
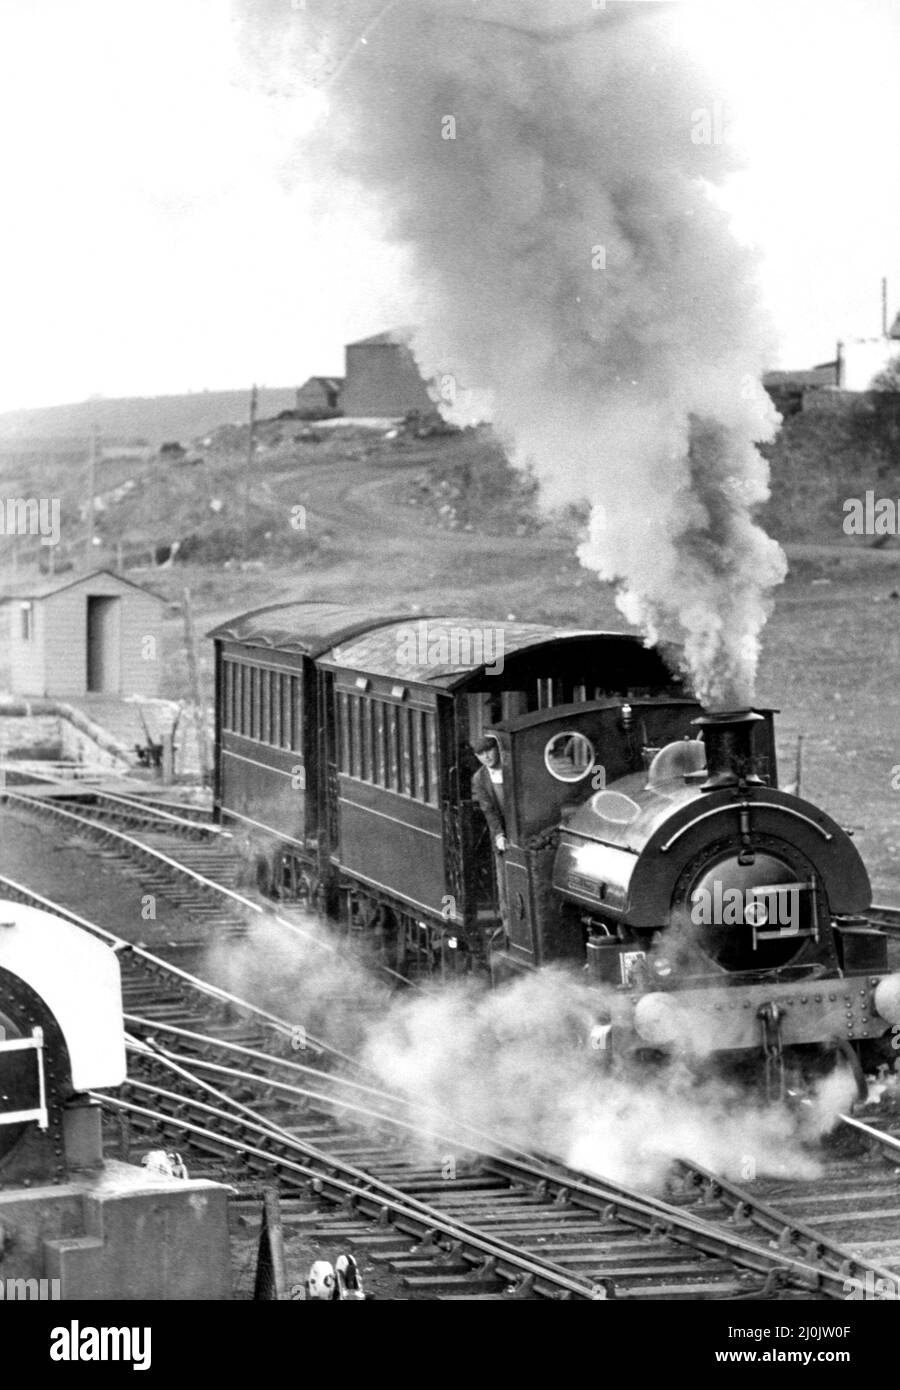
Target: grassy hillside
x: 821, y: 458
x: 151, y: 418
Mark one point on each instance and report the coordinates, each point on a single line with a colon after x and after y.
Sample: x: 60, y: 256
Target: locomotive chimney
x: 728, y: 736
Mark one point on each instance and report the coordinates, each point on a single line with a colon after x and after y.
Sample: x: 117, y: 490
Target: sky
x: 157, y: 234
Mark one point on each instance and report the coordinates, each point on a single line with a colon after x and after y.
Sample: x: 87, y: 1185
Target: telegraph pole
x: 248, y: 472
x: 91, y: 491
x: 193, y: 660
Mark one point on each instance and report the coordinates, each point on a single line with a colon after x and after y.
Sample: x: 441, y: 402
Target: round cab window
x: 569, y: 757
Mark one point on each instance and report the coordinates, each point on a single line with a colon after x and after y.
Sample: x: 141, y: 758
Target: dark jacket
x: 483, y: 792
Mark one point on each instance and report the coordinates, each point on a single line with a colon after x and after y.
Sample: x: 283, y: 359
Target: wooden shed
x: 95, y: 634
x: 320, y: 393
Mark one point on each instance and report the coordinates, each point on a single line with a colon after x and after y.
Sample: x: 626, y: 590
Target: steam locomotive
x: 648, y: 841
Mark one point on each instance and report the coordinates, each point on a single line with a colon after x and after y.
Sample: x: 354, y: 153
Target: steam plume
x: 545, y: 165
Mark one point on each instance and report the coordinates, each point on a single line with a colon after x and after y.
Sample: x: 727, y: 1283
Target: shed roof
x: 334, y: 383
x: 56, y: 586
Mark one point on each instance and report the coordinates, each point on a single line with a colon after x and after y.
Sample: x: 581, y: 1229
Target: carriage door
x: 327, y: 790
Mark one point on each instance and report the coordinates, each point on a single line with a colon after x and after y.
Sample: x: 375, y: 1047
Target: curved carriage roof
x: 305, y: 628
x: 445, y: 652
x: 450, y: 652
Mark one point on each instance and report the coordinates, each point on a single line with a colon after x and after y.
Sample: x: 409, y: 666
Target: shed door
x: 103, y: 644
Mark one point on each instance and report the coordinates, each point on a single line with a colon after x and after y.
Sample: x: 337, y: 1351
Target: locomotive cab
x: 558, y: 762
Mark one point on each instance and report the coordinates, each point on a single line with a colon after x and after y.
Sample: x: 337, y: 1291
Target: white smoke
x: 300, y: 974
x: 546, y: 165
x: 515, y: 1063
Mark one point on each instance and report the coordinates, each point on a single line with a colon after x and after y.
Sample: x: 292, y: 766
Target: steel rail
x: 140, y: 851
x: 160, y: 966
x: 135, y: 847
x: 889, y: 1142
x: 362, y: 1193
x: 337, y: 1079
x: 541, y: 1169
x: 464, y: 1231
x: 744, y: 1204
x: 544, y: 1169
x: 150, y: 810
x: 613, y: 1202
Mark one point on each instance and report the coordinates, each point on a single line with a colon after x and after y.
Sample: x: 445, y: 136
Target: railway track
x: 202, y: 879
x: 498, y: 1218
x: 116, y: 806
x: 492, y: 1222
x: 218, y: 1078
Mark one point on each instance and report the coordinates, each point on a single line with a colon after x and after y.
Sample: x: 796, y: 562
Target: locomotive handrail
x: 746, y: 806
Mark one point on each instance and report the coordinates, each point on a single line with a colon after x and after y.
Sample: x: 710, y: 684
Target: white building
x: 860, y: 360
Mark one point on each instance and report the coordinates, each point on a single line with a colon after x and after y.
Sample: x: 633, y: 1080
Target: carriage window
x: 569, y: 756
x: 393, y: 767
x: 265, y: 677
x: 343, y: 726
x: 275, y: 709
x: 406, y: 752
x: 431, y: 737
x: 391, y: 746
x: 238, y: 712
x: 366, y: 771
x: 245, y: 700
x: 355, y: 758
x: 287, y: 723
x: 378, y: 743
x: 420, y: 766
x: 227, y: 693
x: 296, y: 716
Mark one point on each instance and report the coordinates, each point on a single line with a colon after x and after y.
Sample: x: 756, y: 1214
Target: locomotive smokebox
x: 728, y: 737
